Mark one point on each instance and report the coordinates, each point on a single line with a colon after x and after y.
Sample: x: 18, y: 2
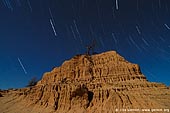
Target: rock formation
x: 101, y: 83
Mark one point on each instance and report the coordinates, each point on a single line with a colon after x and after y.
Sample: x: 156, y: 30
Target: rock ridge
x: 101, y: 83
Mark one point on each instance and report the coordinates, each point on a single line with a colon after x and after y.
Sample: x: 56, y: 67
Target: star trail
x: 46, y: 33
x: 22, y: 66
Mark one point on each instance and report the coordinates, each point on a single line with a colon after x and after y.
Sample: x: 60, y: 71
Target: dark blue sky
x: 36, y: 35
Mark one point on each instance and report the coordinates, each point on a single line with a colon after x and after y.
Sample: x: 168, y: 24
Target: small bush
x: 32, y: 82
x: 77, y: 56
x: 80, y: 91
x: 1, y: 95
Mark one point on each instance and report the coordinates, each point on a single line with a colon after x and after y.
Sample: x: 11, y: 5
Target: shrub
x: 80, y: 91
x: 32, y: 82
x: 1, y: 95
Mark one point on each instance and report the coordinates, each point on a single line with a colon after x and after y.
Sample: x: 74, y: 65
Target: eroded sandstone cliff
x: 101, y: 83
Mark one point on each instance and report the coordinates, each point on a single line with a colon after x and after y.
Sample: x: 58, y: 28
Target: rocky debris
x: 103, y: 82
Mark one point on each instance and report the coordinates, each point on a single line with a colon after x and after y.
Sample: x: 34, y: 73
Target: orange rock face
x: 101, y: 83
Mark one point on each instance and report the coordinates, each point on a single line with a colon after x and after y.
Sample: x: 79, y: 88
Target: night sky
x: 37, y: 35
